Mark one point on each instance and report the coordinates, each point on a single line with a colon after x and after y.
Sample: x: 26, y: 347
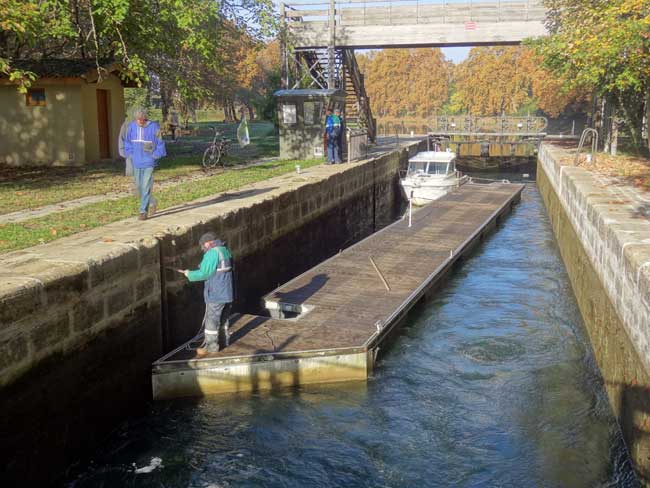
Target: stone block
x: 19, y: 297
x: 87, y: 313
x: 13, y: 349
x: 120, y: 299
x: 149, y: 252
x: 144, y: 288
x: 53, y: 331
x: 113, y: 265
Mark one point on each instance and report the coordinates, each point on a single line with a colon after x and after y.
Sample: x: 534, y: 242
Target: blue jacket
x: 216, y: 270
x: 144, y: 144
x: 333, y: 127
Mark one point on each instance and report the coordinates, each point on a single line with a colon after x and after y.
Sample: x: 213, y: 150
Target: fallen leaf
x: 107, y: 239
x: 53, y: 232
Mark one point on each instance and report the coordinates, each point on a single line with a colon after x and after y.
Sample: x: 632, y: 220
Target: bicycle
x: 217, y: 151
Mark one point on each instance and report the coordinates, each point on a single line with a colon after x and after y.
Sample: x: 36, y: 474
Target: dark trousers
x: 333, y: 151
x: 217, y: 322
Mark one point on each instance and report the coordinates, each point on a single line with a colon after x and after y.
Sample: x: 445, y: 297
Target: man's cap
x: 207, y: 237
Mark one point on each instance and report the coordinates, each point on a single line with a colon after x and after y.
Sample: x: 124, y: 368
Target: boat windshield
x: 437, y: 168
x: 431, y: 167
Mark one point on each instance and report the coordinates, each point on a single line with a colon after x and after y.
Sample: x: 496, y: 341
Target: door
x: 102, y: 124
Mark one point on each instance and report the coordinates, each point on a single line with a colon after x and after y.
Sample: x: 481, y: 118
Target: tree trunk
x: 234, y: 111
x: 605, y: 127
x: 614, y: 138
x: 228, y: 111
x: 646, y: 119
x: 166, y: 100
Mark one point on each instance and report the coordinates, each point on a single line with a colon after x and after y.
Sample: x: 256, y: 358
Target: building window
x: 35, y: 97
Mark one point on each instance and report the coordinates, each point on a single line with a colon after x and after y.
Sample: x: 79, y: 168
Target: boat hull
x: 422, y: 193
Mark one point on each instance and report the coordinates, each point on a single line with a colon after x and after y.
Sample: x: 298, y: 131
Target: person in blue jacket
x: 144, y: 145
x: 216, y: 271
x: 333, y: 135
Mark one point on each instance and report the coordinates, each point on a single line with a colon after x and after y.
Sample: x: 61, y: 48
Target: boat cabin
x: 432, y: 163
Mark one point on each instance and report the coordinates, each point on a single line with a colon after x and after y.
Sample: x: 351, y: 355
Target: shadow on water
x: 491, y: 382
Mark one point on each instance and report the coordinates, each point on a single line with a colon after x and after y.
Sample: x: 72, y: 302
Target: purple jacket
x: 144, y: 144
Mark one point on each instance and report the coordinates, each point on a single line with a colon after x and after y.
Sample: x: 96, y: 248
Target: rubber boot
x: 211, y: 346
x: 224, y: 336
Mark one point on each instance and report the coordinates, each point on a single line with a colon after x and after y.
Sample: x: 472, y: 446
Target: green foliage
x: 184, y: 43
x: 602, y: 46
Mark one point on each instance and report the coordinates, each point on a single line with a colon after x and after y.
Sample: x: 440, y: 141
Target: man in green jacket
x: 216, y: 271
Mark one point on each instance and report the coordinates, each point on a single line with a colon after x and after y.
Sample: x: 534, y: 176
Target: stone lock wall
x: 83, y: 318
x: 606, y: 250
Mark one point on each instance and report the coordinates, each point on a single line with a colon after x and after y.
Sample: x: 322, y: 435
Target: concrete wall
x: 51, y: 134
x: 83, y: 318
x: 605, y: 245
x: 115, y: 115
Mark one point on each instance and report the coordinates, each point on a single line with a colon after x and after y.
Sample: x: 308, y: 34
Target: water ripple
x: 491, y: 383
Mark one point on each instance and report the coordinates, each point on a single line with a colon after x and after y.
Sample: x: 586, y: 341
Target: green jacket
x: 216, y: 270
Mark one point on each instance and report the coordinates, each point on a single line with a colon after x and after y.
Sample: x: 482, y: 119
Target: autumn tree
x: 497, y: 80
x: 406, y: 81
x: 603, y: 46
x: 259, y: 78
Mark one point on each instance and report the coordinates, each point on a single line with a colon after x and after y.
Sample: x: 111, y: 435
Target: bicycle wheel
x: 211, y: 157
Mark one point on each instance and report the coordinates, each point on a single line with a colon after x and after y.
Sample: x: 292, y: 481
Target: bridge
x: 320, y: 37
x: 375, y: 24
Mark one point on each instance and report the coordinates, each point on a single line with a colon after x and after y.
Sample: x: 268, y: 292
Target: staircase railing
x: 365, y: 113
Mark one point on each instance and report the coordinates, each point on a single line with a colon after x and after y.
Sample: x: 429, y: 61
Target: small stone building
x: 67, y: 117
x: 301, y: 116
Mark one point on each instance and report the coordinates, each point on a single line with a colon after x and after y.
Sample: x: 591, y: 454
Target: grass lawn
x: 25, y: 188
x: 43, y: 229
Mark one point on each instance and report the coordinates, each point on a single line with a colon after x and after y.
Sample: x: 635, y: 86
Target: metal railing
x: 396, y: 12
x: 464, y: 124
x: 591, y: 158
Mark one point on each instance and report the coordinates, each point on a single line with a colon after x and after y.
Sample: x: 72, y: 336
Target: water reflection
x: 491, y: 383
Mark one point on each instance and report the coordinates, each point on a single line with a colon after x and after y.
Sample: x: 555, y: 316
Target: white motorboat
x: 430, y: 175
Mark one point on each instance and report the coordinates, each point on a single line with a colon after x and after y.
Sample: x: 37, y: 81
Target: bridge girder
x: 417, y: 35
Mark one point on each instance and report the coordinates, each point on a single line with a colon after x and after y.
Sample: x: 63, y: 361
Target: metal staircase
x: 311, y: 70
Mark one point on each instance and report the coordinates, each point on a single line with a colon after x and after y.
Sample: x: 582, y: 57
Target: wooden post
x: 331, y: 48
